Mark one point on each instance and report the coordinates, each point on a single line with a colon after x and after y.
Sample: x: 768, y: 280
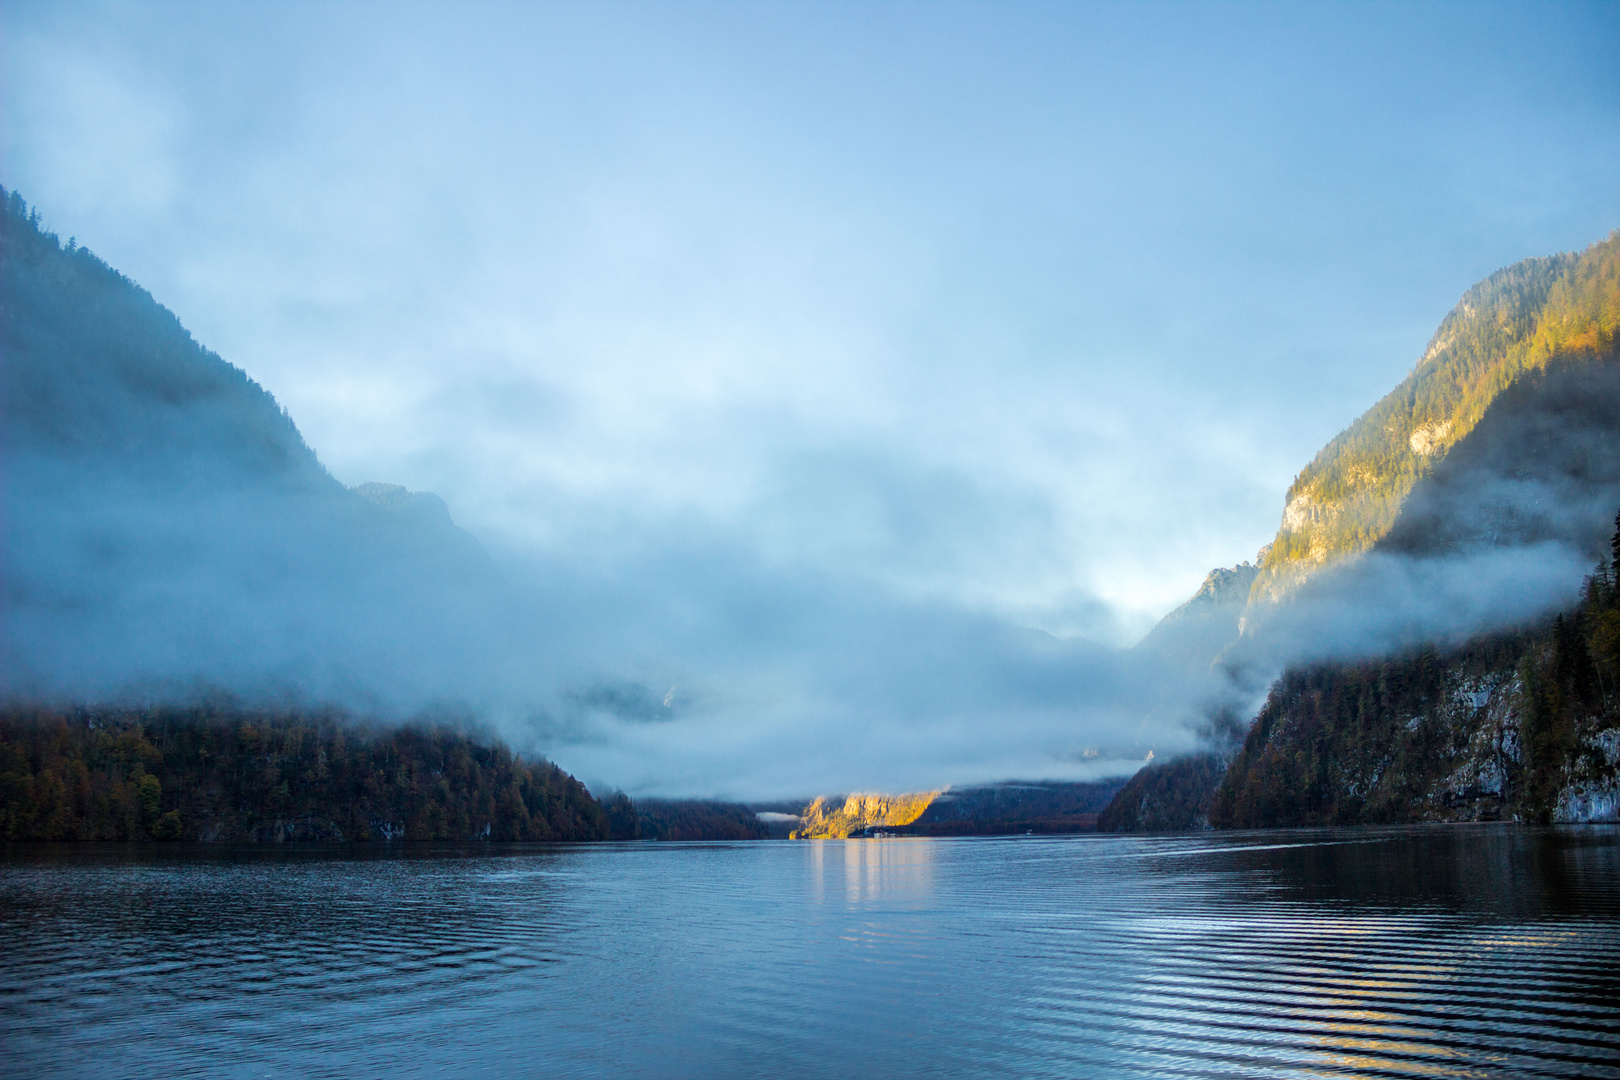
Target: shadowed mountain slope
x: 167, y: 527
x: 1199, y: 629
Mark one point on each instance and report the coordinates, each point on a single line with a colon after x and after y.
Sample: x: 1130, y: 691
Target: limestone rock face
x: 1472, y: 734
x: 1468, y: 735
x: 824, y: 820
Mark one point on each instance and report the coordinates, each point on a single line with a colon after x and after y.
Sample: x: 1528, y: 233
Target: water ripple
x: 1474, y: 952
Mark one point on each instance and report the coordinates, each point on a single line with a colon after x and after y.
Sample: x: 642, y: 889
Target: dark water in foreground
x: 1441, y: 952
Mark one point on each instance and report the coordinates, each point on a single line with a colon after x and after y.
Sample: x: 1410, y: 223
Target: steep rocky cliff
x: 830, y: 820
x: 1513, y: 726
x: 1520, y: 725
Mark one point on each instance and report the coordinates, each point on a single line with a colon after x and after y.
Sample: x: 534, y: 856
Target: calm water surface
x: 1439, y: 952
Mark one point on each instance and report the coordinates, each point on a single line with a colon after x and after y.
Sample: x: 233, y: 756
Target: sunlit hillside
x: 1535, y: 316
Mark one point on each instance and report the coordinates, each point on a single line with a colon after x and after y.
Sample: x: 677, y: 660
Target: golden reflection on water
x: 1365, y: 1065
x: 868, y: 871
x: 1351, y: 995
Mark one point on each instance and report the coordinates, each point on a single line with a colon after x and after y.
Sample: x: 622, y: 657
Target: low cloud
x: 688, y: 668
x: 798, y: 382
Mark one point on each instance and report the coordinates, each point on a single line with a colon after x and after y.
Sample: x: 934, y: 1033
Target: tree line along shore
x: 226, y: 774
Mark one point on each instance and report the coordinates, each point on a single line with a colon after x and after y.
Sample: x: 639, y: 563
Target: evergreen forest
x: 203, y: 773
x: 1504, y: 726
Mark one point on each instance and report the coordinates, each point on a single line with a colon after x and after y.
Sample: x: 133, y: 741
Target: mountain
x: 99, y: 376
x: 1166, y: 796
x: 1199, y: 629
x: 1522, y: 725
x: 694, y: 819
x: 986, y: 810
x: 169, y: 542
x: 167, y: 528
x: 827, y: 819
x: 1421, y: 611
x: 1016, y: 807
x: 1500, y: 451
x: 1528, y: 352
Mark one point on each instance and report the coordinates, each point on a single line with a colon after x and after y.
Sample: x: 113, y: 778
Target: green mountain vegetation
x: 1521, y: 725
x: 1518, y: 725
x: 1537, y: 316
x: 217, y: 774
x: 1165, y: 796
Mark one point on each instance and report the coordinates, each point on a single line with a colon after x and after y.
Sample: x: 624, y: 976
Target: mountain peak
x: 1539, y: 314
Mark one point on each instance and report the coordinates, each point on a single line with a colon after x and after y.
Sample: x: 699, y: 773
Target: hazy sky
x: 1018, y: 313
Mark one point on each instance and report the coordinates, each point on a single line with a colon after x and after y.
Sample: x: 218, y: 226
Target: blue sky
x: 1020, y: 313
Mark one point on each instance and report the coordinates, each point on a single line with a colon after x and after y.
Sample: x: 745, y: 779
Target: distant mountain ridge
x: 1201, y: 627
x: 985, y: 810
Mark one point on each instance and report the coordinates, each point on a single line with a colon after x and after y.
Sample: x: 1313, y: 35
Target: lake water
x: 1434, y: 952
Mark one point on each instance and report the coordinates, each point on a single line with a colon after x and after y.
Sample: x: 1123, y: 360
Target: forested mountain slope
x: 1549, y: 320
x: 1518, y: 725
x: 1511, y: 725
x: 224, y: 774
x: 1408, y: 601
x: 1470, y: 498
x: 166, y: 526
